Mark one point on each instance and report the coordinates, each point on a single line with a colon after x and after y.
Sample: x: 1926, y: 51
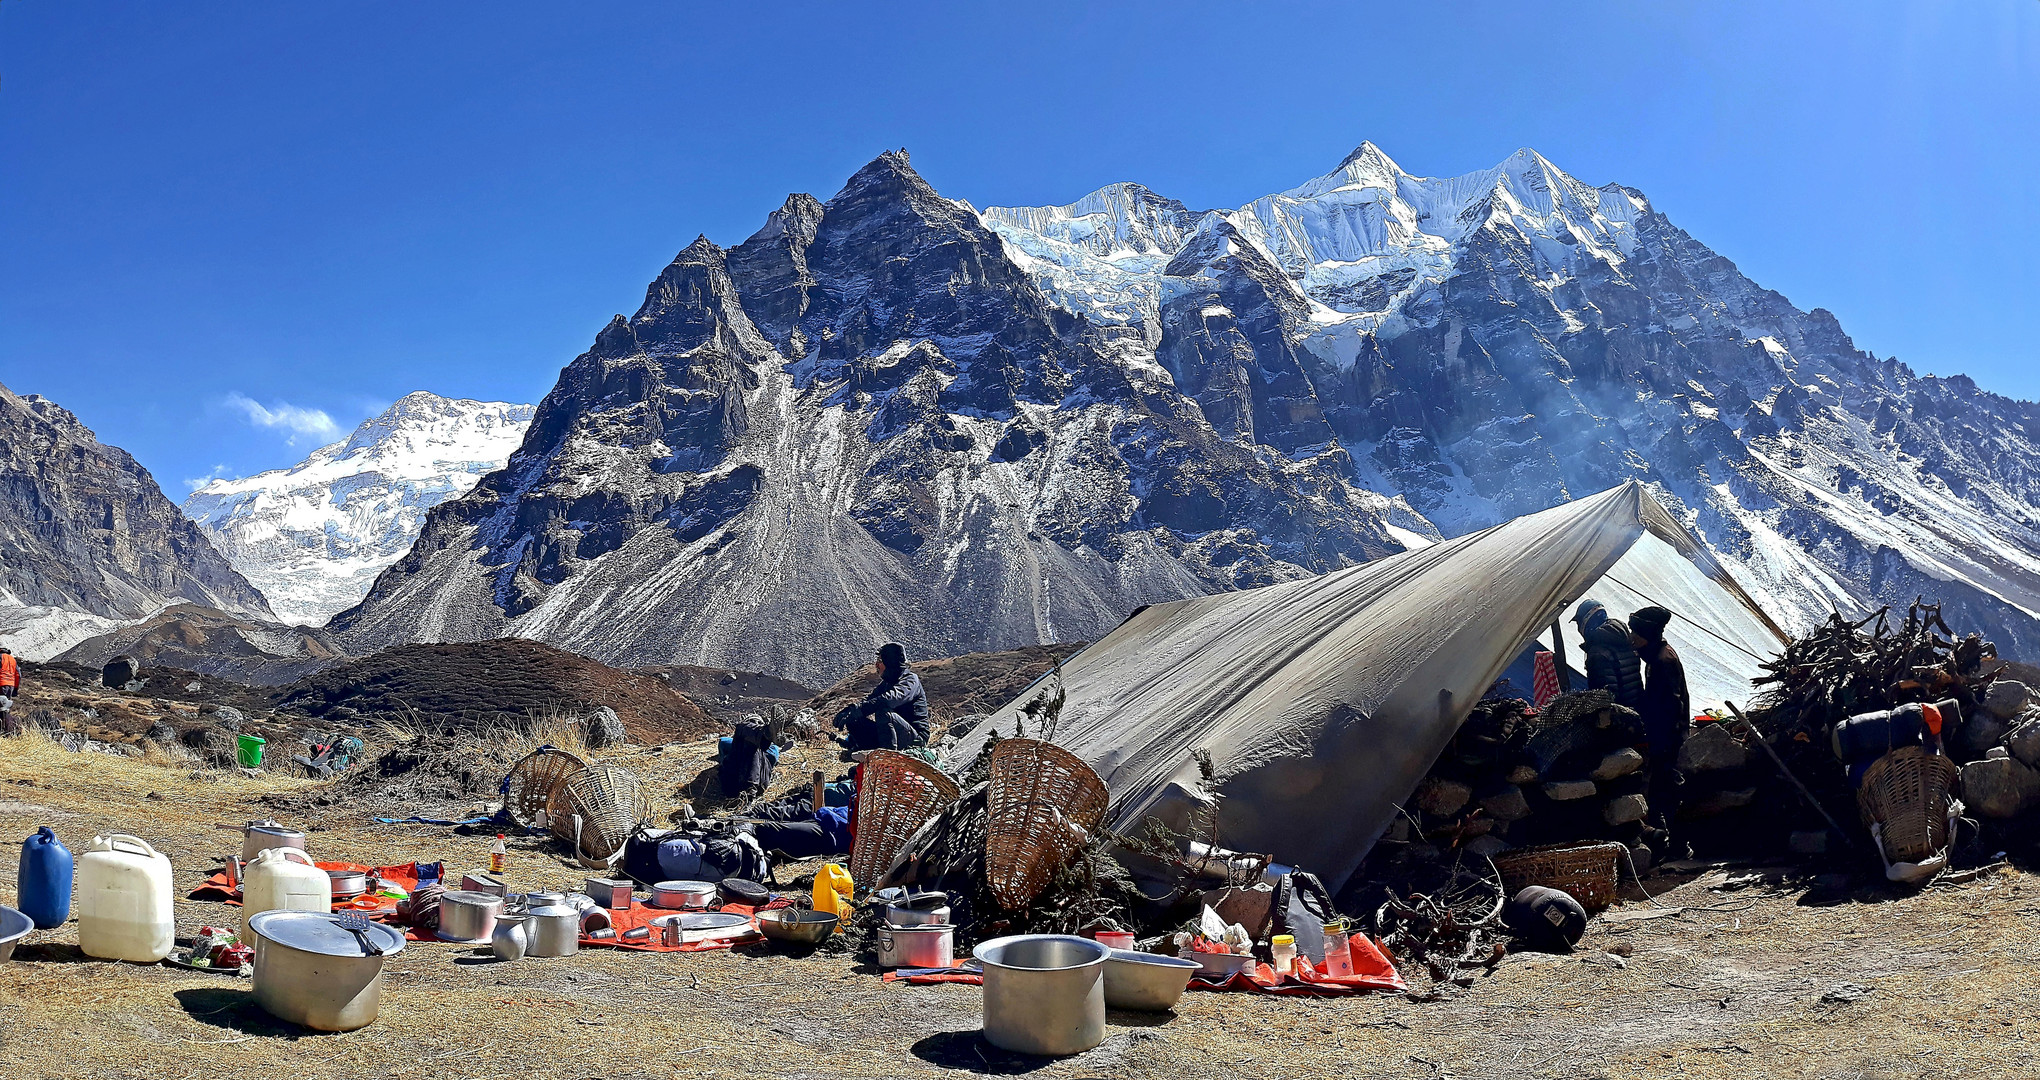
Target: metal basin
x: 13, y: 927
x: 1044, y: 993
x: 797, y: 926
x: 1146, y: 982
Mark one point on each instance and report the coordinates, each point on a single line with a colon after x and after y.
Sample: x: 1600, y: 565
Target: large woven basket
x: 1041, y: 806
x: 595, y: 810
x: 896, y: 794
x: 1906, y: 792
x: 527, y: 791
x: 1585, y: 872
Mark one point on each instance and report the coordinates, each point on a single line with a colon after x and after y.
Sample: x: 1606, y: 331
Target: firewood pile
x: 1848, y: 668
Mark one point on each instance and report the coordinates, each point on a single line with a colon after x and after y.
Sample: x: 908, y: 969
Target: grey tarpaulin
x: 1323, y: 701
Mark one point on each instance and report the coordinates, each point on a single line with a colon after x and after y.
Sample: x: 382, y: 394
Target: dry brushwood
x: 1455, y: 927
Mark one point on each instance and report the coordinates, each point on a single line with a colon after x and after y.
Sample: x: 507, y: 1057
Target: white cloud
x: 300, y: 422
x: 217, y: 472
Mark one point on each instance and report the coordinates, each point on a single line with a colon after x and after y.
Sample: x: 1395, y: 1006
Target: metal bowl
x: 797, y: 926
x: 1218, y: 965
x: 1147, y: 982
x: 13, y: 927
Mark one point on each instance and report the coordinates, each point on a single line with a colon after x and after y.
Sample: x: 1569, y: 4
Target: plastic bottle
x: 498, y: 855
x: 1283, y: 948
x: 286, y: 879
x: 124, y: 901
x: 833, y: 891
x: 45, y: 880
x: 1338, y: 951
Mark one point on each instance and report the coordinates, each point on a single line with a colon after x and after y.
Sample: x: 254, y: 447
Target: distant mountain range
x: 890, y: 415
x: 313, y: 537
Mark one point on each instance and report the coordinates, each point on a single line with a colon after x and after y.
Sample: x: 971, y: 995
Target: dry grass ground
x: 1944, y: 984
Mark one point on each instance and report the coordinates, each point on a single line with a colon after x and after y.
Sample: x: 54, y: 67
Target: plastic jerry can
x: 286, y: 879
x: 45, y: 879
x: 833, y: 890
x: 124, y: 910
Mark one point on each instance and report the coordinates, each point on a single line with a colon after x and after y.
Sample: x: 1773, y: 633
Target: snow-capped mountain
x: 314, y: 536
x: 891, y: 416
x: 1488, y: 345
x: 88, y: 542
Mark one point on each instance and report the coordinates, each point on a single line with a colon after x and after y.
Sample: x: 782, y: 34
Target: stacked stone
x: 2003, y: 782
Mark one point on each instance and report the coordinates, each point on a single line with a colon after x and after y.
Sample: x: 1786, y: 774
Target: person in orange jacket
x: 10, y: 688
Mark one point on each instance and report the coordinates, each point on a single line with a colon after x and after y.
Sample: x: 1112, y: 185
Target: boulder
x: 1507, y: 804
x: 228, y: 718
x: 1709, y: 747
x: 1641, y: 856
x: 1997, y: 753
x: 1568, y: 790
x: 1979, y: 733
x: 2000, y: 787
x: 2005, y: 699
x: 2024, y: 743
x: 1719, y: 802
x: 1623, y: 809
x: 1618, y: 764
x: 1523, y: 774
x: 604, y: 729
x: 1442, y: 797
x: 161, y: 732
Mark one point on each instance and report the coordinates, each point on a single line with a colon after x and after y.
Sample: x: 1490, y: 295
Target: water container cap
x: 320, y: 932
x: 1283, y: 939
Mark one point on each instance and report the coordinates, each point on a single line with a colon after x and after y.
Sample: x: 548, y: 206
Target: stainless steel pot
x: 262, y: 835
x: 312, y: 971
x: 555, y: 931
x: 1044, y: 993
x: 468, y: 916
x: 929, y: 945
x: 684, y: 895
x: 348, y: 884
x: 918, y: 909
x: 544, y: 899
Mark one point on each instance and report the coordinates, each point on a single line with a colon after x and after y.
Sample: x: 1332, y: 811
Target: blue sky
x: 229, y: 231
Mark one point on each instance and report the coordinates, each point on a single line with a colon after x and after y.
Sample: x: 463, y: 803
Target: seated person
x: 894, y: 716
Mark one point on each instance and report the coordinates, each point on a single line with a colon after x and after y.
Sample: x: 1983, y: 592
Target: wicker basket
x: 1906, y: 791
x: 1041, y: 806
x: 598, y: 807
x: 528, y: 789
x: 1585, y: 872
x: 896, y: 794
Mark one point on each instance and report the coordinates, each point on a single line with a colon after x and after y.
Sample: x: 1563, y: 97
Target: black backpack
x: 1301, y: 908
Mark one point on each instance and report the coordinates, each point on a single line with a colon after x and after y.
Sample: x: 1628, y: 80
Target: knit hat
x: 1650, y: 622
x: 893, y: 654
x: 1587, y: 609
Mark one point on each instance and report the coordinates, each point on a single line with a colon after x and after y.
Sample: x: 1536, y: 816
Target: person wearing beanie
x: 1611, y: 661
x: 894, y: 716
x: 1667, y: 709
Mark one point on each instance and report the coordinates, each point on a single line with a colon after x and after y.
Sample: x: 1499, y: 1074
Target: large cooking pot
x: 1044, y: 993
x: 684, y: 895
x: 918, y: 909
x: 311, y: 970
x: 468, y: 916
x: 929, y: 945
x: 265, y: 834
x: 555, y: 931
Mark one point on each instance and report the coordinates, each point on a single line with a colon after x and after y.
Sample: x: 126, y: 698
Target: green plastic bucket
x: 249, y: 751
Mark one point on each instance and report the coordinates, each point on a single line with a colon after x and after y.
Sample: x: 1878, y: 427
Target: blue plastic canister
x: 45, y: 881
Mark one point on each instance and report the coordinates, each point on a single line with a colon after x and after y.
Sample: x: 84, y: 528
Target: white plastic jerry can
x: 282, y: 879
x: 124, y: 900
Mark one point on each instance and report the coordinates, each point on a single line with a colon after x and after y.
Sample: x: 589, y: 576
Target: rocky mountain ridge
x: 88, y: 541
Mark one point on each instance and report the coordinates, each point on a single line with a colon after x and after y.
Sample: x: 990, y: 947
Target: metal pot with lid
x: 311, y: 969
x: 555, y: 931
x: 468, y: 916
x: 262, y: 835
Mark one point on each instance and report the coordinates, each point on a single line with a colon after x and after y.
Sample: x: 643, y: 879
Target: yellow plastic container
x: 833, y: 890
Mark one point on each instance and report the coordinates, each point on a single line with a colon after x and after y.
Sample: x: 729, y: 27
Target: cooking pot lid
x: 273, y: 829
x: 924, y: 901
x: 472, y: 899
x: 556, y: 911
x: 685, y: 886
x: 320, y: 932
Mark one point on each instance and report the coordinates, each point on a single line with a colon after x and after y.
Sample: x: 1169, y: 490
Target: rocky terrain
x: 88, y: 541
x: 207, y: 640
x: 314, y: 536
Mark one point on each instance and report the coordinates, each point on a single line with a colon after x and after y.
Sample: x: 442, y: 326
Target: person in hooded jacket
x: 1611, y: 659
x: 894, y: 716
x: 10, y: 688
x: 1667, y: 708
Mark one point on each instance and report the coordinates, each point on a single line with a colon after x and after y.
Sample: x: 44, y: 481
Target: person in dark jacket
x: 1611, y: 659
x: 1667, y: 708
x: 894, y: 716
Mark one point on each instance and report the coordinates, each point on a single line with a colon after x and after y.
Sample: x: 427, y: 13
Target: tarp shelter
x: 1323, y: 701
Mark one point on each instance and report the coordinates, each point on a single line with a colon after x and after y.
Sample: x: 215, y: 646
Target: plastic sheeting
x: 1323, y: 701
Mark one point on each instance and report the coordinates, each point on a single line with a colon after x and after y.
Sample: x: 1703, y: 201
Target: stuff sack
x: 1301, y: 909
x: 1547, y: 918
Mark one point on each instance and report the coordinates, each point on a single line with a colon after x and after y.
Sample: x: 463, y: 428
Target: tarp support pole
x: 1558, y: 654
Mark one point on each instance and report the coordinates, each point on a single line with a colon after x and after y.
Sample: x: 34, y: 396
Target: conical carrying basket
x: 896, y: 794
x: 1041, y: 806
x: 528, y: 790
x: 594, y: 810
x: 1906, y: 792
